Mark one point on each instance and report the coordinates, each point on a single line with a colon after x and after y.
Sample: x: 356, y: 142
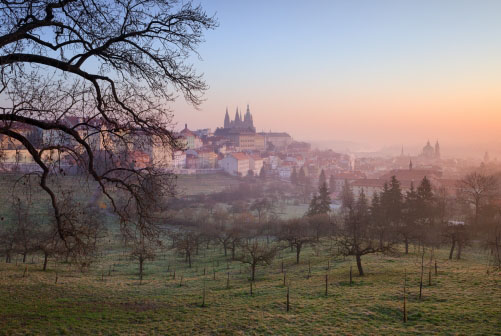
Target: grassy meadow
x: 108, y: 299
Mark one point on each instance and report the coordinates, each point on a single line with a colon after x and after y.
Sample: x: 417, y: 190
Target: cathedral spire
x: 437, y: 150
x: 410, y: 164
x: 226, y: 119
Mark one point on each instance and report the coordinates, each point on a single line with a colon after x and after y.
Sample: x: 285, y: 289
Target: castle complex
x: 240, y: 124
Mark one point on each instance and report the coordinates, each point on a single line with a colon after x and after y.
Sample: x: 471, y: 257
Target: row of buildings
x: 237, y: 149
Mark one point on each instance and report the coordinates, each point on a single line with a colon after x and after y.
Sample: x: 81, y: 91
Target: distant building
x: 237, y: 164
x: 431, y: 153
x: 276, y: 140
x: 340, y: 179
x: 245, y: 123
x: 189, y: 139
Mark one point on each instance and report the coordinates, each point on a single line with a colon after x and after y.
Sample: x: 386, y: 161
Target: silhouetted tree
x: 256, y: 253
x: 115, y: 65
x: 297, y: 234
x: 359, y: 236
x: 476, y: 189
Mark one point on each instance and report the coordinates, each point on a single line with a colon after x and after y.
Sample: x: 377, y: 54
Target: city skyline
x: 373, y: 74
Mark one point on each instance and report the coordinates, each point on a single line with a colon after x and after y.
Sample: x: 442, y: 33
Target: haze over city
x: 210, y: 167
x: 376, y: 74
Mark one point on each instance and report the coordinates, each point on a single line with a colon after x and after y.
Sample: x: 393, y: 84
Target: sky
x: 368, y: 74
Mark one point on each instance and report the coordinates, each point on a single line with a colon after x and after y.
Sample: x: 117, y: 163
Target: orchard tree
x: 297, y: 234
x: 360, y: 236
x: 254, y: 253
x: 476, y: 189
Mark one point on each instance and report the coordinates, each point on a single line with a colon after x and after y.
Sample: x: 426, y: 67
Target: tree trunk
x: 141, y: 268
x: 359, y: 265
x: 189, y: 259
x: 225, y: 250
x: 452, y: 248
x: 458, y: 255
x: 24, y: 257
x: 253, y: 271
x: 298, y: 251
x: 406, y: 241
x: 45, y: 259
x: 233, y: 251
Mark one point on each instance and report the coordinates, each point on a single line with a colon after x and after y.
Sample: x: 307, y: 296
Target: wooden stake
x: 285, y: 276
x: 326, y: 284
x: 203, y: 296
x: 422, y: 272
x: 405, y: 293
x: 288, y: 301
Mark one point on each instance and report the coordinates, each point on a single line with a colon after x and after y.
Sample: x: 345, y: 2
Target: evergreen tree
x: 294, y: 177
x: 425, y: 210
x: 347, y: 197
x: 320, y: 204
x: 313, y: 209
x: 332, y: 184
x: 262, y: 172
x: 322, y: 179
x: 301, y: 177
x: 395, y: 199
x: 408, y: 227
x: 324, y: 199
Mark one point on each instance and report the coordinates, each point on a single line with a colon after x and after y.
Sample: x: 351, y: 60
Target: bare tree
x: 297, y: 233
x: 95, y: 77
x: 7, y: 240
x: 185, y: 242
x: 360, y: 235
x: 476, y: 189
x: 144, y: 249
x: 254, y: 253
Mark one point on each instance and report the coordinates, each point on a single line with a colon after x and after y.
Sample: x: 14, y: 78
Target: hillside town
x: 237, y: 149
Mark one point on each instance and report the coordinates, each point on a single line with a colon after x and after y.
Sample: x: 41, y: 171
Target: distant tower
x: 486, y: 157
x: 237, y: 119
x: 437, y: 151
x: 402, y: 152
x: 410, y: 164
x: 226, y: 119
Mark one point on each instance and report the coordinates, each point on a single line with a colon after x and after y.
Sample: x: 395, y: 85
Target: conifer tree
x: 294, y: 176
x: 322, y: 179
x: 332, y: 184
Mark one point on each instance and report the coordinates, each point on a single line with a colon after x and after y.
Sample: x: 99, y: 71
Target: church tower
x: 227, y: 119
x: 237, y: 121
x: 437, y: 150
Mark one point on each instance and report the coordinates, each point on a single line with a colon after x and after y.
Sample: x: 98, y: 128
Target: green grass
x: 463, y: 299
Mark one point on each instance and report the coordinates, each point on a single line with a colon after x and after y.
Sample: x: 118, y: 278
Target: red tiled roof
x: 240, y: 156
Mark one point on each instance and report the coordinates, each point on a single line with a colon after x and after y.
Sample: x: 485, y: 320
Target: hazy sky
x: 373, y: 72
